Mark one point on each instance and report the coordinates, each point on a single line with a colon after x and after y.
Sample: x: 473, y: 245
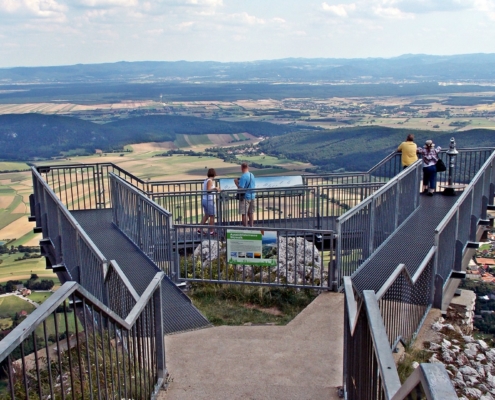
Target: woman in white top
x: 208, y: 199
x: 430, y: 158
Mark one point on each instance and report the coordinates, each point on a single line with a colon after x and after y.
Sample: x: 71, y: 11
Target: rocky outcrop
x: 299, y: 262
x: 470, y: 363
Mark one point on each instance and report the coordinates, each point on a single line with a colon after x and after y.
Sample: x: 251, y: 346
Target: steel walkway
x: 179, y: 314
x: 408, y: 245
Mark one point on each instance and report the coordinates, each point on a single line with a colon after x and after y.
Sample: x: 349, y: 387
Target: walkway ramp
x: 299, y: 361
x: 409, y: 245
x: 179, y: 314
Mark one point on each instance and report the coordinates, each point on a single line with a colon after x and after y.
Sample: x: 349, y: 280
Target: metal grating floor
x: 179, y: 314
x: 409, y: 245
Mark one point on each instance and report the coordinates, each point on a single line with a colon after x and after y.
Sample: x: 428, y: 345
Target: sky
x: 64, y: 32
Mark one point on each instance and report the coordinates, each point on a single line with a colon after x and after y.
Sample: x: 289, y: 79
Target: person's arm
x: 236, y: 181
x: 399, y: 149
x: 211, y: 186
x: 241, y: 183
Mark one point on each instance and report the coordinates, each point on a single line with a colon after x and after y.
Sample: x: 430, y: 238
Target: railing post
x: 372, y: 227
x: 159, y: 338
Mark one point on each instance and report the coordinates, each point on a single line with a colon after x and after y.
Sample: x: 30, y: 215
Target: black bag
x: 441, y: 166
x: 242, y: 196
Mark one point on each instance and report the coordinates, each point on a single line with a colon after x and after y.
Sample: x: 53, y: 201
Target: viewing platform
x: 124, y: 248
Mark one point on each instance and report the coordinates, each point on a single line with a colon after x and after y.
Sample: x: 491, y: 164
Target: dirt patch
x: 272, y: 310
x: 5, y: 201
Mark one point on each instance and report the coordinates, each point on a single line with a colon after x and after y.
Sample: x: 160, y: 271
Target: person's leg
x: 251, y: 212
x: 426, y: 178
x: 433, y: 179
x: 242, y: 211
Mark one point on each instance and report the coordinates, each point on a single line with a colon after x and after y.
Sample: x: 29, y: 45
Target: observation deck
x: 126, y: 246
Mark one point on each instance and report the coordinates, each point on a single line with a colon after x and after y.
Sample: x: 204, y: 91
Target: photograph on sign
x: 252, y: 247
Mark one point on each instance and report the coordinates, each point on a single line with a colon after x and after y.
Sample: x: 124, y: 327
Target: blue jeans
x: 430, y: 176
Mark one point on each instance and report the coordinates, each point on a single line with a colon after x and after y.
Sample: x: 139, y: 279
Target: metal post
x: 449, y: 190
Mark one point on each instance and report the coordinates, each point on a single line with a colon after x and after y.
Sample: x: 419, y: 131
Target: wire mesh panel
x: 71, y: 245
x: 367, y: 226
x: 405, y: 304
x: 354, y: 239
x: 73, y: 347
x: 269, y: 257
x: 144, y: 222
x: 446, y: 240
x: 465, y: 208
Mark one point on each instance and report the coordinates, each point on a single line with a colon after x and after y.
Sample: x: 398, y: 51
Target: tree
x: 33, y: 277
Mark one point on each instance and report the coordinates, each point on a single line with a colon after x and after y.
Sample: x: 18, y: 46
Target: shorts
x: 247, y: 207
x: 209, y: 207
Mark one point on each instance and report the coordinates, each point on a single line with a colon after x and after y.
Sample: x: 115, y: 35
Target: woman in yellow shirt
x: 409, y: 151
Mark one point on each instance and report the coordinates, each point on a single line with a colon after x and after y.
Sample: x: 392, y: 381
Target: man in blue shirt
x: 246, y: 197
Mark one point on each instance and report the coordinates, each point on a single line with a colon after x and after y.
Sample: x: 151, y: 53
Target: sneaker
x: 199, y: 231
x: 430, y: 194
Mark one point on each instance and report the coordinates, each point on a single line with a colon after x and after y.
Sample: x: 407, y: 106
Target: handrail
x: 125, y: 280
x: 33, y: 320
x: 147, y: 200
x: 434, y: 380
x: 71, y: 219
x: 402, y: 268
x: 465, y: 194
x: 377, y: 193
x: 378, y: 360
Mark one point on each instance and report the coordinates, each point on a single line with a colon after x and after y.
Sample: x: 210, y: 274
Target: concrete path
x: 302, y: 360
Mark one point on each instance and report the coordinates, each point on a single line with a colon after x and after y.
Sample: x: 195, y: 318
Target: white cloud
x: 391, y: 12
x: 34, y: 8
x: 340, y: 10
x: 108, y: 3
x: 207, y: 3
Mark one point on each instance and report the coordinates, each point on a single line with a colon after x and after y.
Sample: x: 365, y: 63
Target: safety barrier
x: 459, y: 226
x: 306, y: 207
x: 75, y: 347
x: 364, y: 228
x: 369, y: 368
x: 144, y: 222
x: 300, y: 258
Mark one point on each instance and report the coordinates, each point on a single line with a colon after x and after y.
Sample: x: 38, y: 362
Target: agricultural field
x: 9, y: 305
x: 39, y: 297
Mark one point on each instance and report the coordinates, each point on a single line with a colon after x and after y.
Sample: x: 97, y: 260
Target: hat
x: 429, y: 143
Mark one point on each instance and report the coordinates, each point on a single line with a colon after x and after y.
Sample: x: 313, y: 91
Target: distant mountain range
x: 465, y: 67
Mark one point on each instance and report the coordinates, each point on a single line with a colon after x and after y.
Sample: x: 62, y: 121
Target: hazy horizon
x: 249, y: 61
x: 63, y: 32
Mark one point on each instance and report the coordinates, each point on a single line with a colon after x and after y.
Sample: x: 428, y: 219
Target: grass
x: 405, y: 368
x: 9, y: 305
x: 6, y: 218
x: 22, y: 270
x: 39, y: 297
x: 238, y: 305
x: 50, y: 324
x: 13, y: 166
x: 485, y: 247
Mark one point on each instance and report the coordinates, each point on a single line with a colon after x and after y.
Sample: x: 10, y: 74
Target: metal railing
x: 369, y: 368
x: 66, y: 244
x: 460, y: 224
x: 74, y: 347
x: 144, y: 222
x: 300, y: 258
x: 307, y: 207
x: 86, y: 186
x: 71, y: 246
x: 364, y: 228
